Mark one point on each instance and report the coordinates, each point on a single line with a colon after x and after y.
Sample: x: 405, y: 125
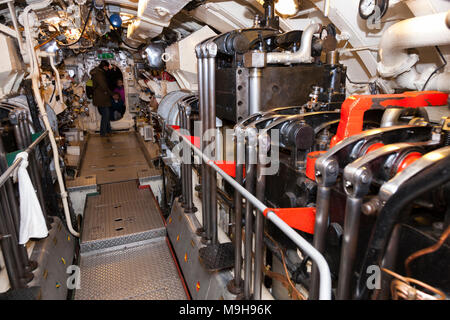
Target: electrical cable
x: 82, y: 31
x: 118, y: 34
x: 437, y: 69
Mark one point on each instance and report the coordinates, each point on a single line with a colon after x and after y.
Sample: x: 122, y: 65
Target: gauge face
x: 367, y: 8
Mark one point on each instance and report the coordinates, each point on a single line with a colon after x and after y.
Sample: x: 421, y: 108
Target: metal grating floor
x: 123, y: 248
x: 113, y: 159
x: 121, y: 214
x: 143, y: 272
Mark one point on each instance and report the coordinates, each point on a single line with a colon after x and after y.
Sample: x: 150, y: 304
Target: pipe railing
x: 8, y: 173
x: 309, y: 250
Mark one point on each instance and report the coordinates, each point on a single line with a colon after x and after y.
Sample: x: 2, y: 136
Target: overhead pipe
x: 35, y: 85
x: 303, y: 55
x: 417, y: 32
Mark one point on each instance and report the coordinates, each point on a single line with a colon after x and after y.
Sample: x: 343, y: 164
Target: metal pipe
x: 182, y: 199
x: 34, y: 167
x: 201, y: 106
x: 190, y: 193
x: 308, y: 249
x: 349, y: 246
x: 6, y: 243
x: 417, y: 32
x: 259, y: 234
x: 12, y: 12
x: 320, y: 230
x: 205, y: 170
x: 254, y: 92
x: 35, y: 85
x: 11, y: 230
x: 250, y: 187
x: 240, y: 150
x: 212, y: 128
x: 15, y: 213
x: 303, y: 55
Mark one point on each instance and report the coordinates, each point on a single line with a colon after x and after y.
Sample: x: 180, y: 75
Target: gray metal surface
x: 122, y: 213
x: 141, y: 271
x: 53, y: 255
x: 202, y: 285
x: 114, y: 159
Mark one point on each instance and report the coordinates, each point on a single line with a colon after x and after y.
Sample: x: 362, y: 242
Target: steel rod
x: 349, y: 247
x: 315, y: 255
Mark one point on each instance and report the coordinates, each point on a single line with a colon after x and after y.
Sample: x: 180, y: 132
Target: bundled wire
x: 437, y: 69
x: 82, y: 31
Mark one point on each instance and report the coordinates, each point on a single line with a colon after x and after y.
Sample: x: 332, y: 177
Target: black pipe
x: 212, y: 127
x: 320, y: 230
x: 14, y: 207
x: 6, y: 243
x: 259, y: 233
x: 430, y: 178
x: 47, y: 183
x: 250, y: 187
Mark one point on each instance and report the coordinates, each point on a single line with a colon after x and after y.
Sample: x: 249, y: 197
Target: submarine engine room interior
x: 224, y: 149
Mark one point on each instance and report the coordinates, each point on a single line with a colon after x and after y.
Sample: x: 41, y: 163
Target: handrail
x: 8, y: 172
x: 316, y: 256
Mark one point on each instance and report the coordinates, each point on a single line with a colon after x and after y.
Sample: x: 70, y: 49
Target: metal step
x: 121, y: 214
x: 141, y: 271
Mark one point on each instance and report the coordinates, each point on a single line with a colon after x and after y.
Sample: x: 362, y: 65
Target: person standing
x: 102, y: 96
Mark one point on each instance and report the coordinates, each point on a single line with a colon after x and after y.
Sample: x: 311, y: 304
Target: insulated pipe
x: 250, y: 187
x: 35, y: 85
x: 303, y: 55
x: 58, y: 80
x: 308, y: 249
x: 424, y: 31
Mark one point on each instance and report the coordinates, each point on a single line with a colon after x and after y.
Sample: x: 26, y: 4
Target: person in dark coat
x: 102, y: 96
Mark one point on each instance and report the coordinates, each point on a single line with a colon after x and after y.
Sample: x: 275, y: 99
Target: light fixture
x: 286, y: 8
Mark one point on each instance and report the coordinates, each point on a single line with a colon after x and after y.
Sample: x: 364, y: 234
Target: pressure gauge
x: 367, y: 8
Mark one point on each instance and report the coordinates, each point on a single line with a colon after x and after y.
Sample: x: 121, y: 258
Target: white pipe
x: 424, y: 31
x: 58, y: 80
x: 12, y: 12
x: 303, y: 55
x: 35, y: 84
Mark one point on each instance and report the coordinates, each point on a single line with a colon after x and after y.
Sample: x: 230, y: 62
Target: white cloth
x: 32, y: 221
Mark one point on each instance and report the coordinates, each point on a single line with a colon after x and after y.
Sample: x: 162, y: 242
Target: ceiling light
x: 286, y: 8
